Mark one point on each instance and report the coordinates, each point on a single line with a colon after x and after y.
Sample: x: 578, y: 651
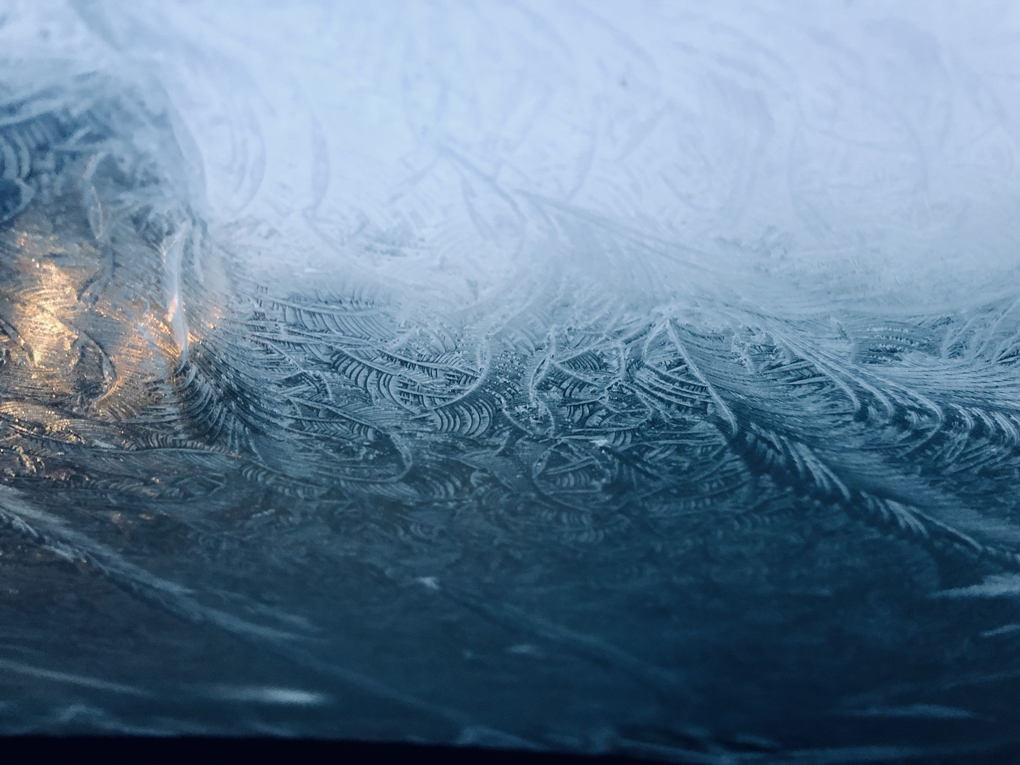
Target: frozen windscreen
x: 589, y: 377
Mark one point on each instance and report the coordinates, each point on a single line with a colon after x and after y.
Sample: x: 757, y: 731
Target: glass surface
x: 591, y: 377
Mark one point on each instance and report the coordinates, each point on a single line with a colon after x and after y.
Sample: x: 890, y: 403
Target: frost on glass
x: 560, y: 377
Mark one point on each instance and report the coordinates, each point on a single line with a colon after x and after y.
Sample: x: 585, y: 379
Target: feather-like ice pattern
x: 512, y: 376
